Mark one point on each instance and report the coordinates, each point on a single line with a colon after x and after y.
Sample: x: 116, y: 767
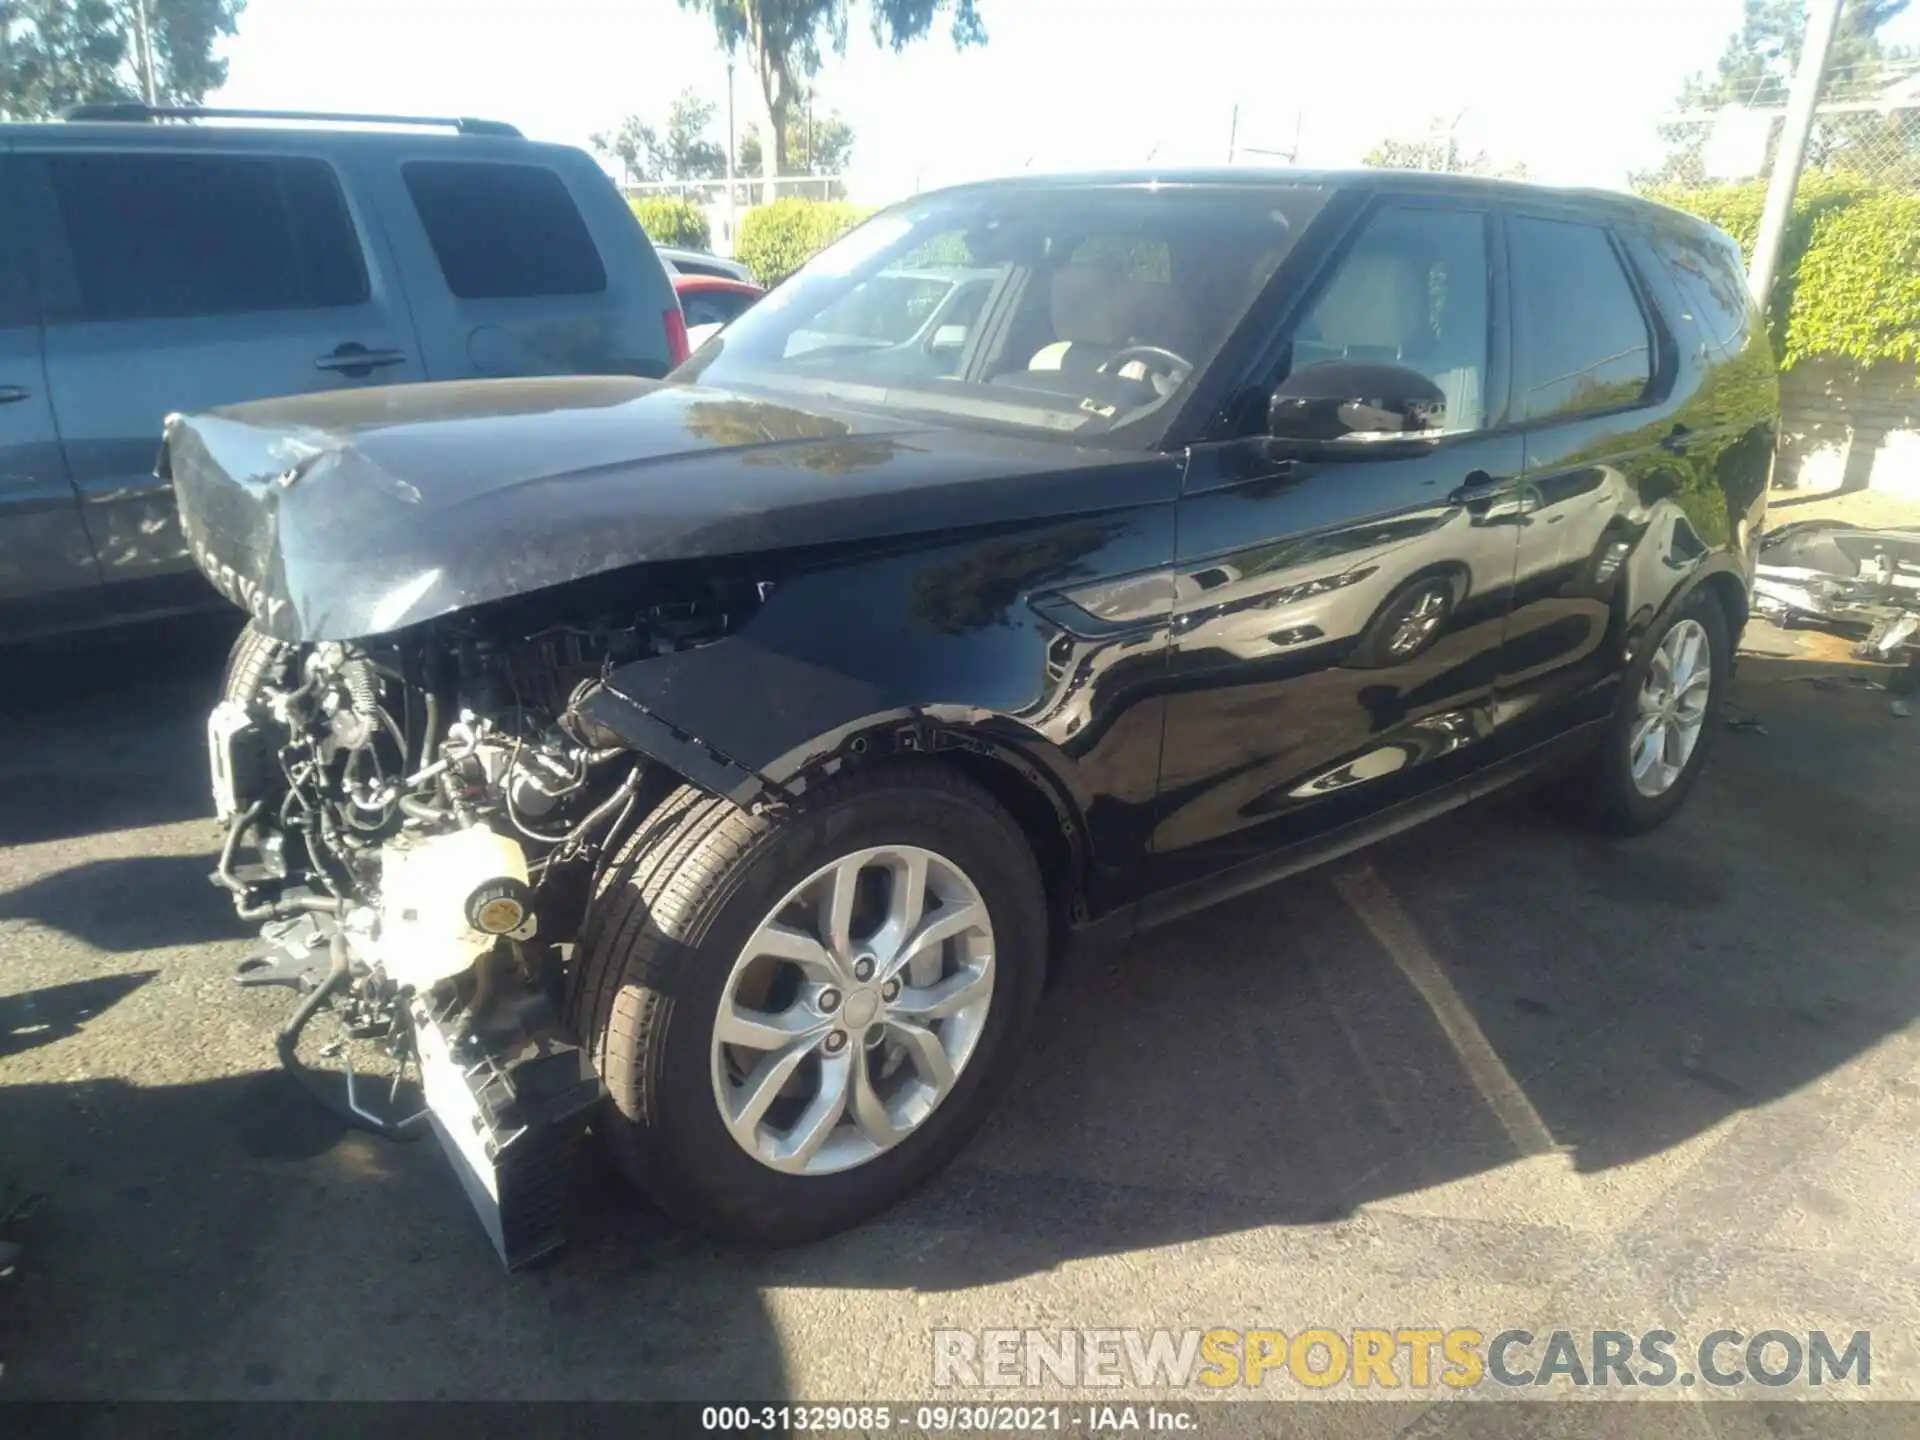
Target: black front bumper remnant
x: 510, y: 1099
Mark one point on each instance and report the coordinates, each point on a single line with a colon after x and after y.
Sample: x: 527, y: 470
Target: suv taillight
x: 677, y: 347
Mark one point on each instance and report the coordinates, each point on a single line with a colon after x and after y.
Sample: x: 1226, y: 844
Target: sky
x: 1569, y: 88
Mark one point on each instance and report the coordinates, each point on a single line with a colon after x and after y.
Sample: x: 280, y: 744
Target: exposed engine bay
x: 419, y: 821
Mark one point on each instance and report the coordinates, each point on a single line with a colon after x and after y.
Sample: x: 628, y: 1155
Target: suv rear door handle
x: 355, y: 359
x: 1479, y: 488
x: 11, y: 393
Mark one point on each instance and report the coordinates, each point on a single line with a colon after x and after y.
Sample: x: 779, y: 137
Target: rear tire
x: 1622, y: 797
x: 684, y: 905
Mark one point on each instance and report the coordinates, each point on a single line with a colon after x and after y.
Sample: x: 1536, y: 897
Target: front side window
x: 1583, y: 343
x: 156, y: 236
x: 1073, y: 310
x: 502, y: 232
x: 1412, y: 291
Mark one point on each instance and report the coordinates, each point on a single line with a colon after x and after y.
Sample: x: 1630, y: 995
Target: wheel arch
x: 1024, y: 772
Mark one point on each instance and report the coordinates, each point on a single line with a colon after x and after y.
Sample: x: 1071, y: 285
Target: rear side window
x: 154, y: 236
x: 1583, y: 339
x: 1712, y: 288
x: 504, y: 232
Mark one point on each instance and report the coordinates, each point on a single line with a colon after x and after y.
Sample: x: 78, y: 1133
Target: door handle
x: 356, y: 360
x: 11, y: 393
x: 1675, y: 441
x: 1478, y: 489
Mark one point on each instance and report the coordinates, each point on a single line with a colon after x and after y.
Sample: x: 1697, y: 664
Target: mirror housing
x: 1354, y: 402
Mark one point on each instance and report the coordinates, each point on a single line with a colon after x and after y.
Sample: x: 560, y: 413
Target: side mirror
x: 1355, y: 402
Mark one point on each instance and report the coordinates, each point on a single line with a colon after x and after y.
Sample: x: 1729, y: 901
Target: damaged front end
x: 419, y: 821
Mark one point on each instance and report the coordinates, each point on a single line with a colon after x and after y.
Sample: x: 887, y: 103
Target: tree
x: 633, y: 143
x: 1441, y: 151
x: 816, y: 145
x: 686, y: 151
x: 1755, y: 71
x: 56, y: 53
x: 784, y: 40
x: 682, y: 150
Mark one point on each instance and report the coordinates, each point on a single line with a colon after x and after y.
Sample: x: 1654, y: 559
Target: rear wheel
x: 801, y: 1016
x: 1661, y: 729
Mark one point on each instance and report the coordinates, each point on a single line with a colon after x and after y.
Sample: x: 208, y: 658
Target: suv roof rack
x: 134, y: 110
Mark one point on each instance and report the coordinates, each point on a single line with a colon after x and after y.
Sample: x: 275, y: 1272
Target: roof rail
x: 134, y: 110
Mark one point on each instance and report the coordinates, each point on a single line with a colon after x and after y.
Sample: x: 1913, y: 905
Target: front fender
x: 958, y: 644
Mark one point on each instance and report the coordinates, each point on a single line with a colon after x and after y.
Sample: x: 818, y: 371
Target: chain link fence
x: 1866, y: 127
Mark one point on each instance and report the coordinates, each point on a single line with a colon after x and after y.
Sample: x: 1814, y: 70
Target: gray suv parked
x: 147, y: 268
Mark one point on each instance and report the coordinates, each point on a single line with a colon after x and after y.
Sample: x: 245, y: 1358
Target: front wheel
x: 801, y: 1016
x: 1662, y: 725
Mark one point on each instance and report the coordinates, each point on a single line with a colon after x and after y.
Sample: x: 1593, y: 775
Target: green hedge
x: 1849, y: 274
x: 669, y: 220
x: 777, y: 239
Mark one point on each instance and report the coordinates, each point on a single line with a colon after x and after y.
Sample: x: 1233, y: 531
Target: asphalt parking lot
x: 1497, y: 1073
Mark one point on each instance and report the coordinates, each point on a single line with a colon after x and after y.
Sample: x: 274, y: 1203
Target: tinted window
x: 1583, y: 342
x: 503, y: 231
x: 1412, y: 292
x: 1712, y: 287
x: 165, y: 236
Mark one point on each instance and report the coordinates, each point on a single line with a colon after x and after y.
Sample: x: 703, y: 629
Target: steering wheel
x: 1175, y: 367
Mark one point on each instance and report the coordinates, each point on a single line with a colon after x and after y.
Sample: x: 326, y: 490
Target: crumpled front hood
x: 353, y: 513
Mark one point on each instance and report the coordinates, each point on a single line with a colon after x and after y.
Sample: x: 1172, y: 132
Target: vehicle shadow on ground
x: 1275, y: 1062
x: 130, y: 903
x: 107, y: 732
x: 56, y: 1012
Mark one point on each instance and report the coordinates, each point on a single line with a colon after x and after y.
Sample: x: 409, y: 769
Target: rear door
x: 44, y: 553
x: 522, y: 261
x: 1601, y: 391
x: 183, y: 280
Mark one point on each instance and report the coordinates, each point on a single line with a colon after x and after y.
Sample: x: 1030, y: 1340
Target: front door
x: 45, y: 560
x: 1338, y: 621
x: 186, y: 280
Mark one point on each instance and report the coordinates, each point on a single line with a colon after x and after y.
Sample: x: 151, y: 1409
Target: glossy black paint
x: 338, y: 516
x: 1186, y: 669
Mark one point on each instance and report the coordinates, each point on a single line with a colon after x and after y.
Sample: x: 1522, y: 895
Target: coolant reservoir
x: 432, y: 888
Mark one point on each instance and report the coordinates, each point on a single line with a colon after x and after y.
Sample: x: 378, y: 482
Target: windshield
x: 1075, y: 310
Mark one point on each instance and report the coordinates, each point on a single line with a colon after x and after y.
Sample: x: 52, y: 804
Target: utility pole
x: 1822, y: 18
x: 143, y: 42
x: 1233, y: 134
x: 728, y: 212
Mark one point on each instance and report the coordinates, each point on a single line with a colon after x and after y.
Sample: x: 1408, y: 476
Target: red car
x: 708, y: 302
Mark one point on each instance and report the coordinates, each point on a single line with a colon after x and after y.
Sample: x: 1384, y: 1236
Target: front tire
x: 1662, y: 725
x: 782, y: 1059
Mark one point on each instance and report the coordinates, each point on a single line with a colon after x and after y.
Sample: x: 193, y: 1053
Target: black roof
x: 1421, y: 182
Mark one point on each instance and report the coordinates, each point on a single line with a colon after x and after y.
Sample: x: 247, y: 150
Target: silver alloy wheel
x: 852, y: 1009
x: 1672, y: 708
x: 1419, y: 624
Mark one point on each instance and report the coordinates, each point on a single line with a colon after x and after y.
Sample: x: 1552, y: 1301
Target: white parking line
x: 1363, y: 889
